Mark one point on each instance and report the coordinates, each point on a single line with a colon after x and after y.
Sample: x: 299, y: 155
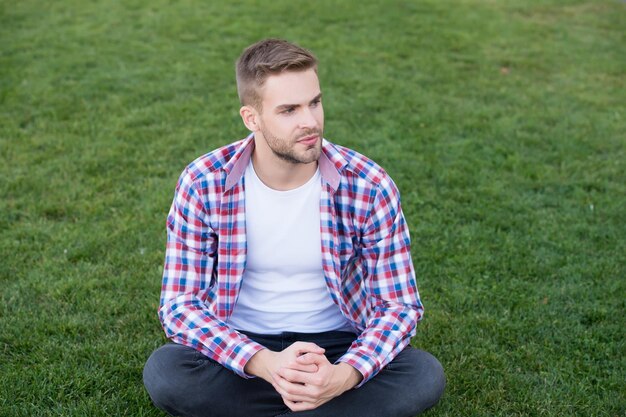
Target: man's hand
x: 306, y: 389
x: 266, y: 363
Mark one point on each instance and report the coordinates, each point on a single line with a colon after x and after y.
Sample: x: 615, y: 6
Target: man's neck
x: 279, y: 174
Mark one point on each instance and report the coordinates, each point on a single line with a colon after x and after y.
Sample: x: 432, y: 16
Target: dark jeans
x: 184, y: 382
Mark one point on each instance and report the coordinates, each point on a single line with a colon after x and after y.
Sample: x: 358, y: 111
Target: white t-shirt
x: 283, y: 286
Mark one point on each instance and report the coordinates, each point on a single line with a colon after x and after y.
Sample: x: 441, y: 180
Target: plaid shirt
x: 366, y: 257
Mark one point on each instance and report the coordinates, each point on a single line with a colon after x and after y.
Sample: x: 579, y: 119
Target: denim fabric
x: 184, y: 382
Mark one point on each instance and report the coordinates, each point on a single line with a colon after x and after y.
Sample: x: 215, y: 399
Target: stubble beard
x: 285, y: 149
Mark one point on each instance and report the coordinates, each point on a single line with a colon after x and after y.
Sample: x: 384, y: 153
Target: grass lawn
x: 502, y: 122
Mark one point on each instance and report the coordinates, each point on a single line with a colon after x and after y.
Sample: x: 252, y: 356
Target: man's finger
x: 299, y: 406
x: 293, y: 376
x: 305, y: 347
x: 306, y: 380
x: 312, y: 359
x: 303, y: 367
x: 291, y: 391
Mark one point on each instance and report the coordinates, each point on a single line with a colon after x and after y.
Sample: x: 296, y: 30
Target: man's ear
x: 250, y: 117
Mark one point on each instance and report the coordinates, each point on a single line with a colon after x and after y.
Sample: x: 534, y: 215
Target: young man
x: 288, y: 285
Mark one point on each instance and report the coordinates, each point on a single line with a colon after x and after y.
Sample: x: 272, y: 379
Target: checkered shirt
x: 366, y: 257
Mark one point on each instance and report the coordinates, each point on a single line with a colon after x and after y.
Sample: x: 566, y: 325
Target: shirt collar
x: 330, y: 163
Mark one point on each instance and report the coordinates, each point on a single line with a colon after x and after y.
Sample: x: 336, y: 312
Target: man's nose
x: 308, y: 119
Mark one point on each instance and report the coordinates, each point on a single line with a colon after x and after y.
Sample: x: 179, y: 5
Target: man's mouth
x: 309, y: 140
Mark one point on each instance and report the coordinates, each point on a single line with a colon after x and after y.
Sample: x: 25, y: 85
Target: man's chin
x: 313, y: 154
x: 310, y: 156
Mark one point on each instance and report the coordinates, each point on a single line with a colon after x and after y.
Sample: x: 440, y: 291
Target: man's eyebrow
x: 288, y: 106
x: 317, y: 98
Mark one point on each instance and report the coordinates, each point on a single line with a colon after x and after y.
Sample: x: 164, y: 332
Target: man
x: 288, y: 285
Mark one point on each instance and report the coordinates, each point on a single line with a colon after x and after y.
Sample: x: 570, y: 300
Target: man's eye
x: 315, y: 103
x: 289, y: 110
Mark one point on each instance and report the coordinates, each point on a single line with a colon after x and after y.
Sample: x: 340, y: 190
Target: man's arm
x: 187, y: 293
x: 395, y: 311
x: 394, y: 303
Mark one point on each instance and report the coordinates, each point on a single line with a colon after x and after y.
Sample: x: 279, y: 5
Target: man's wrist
x: 350, y: 375
x: 256, y: 365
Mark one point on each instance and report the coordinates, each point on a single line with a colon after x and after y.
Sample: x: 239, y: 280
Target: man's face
x: 292, y: 117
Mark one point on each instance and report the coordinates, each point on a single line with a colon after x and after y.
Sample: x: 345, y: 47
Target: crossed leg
x: 184, y: 382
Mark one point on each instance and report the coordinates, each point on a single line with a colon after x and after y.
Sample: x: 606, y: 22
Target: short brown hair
x: 265, y: 58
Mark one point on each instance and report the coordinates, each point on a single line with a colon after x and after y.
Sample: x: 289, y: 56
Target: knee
x: 425, y: 381
x: 433, y: 379
x: 162, y: 376
x: 156, y: 377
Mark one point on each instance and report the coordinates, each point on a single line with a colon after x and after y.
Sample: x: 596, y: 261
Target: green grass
x: 503, y: 123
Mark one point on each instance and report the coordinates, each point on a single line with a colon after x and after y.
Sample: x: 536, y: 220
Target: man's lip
x: 309, y: 138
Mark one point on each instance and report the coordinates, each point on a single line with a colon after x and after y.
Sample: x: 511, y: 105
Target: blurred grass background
x: 501, y: 121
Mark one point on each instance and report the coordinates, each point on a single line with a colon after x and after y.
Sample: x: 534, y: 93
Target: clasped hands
x: 302, y: 375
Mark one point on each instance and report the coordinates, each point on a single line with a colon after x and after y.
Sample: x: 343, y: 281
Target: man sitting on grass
x: 288, y: 285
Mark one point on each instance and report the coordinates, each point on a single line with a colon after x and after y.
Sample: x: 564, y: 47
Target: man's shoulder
x: 353, y: 164
x: 213, y: 162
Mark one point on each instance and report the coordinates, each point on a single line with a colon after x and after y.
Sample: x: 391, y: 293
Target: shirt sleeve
x: 188, y: 277
x: 393, y: 300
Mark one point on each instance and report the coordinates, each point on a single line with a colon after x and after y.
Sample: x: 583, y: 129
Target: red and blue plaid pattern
x: 365, y: 253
